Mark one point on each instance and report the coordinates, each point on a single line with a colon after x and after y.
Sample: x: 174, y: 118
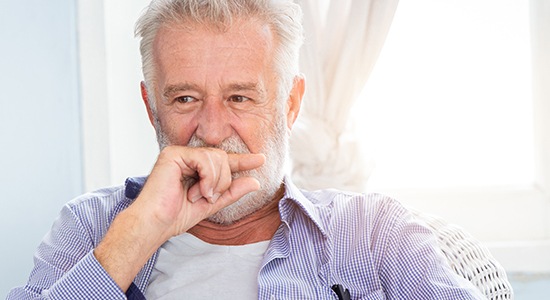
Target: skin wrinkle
x: 174, y: 89
x: 267, y: 214
x: 244, y: 25
x: 211, y: 192
x: 235, y: 88
x: 260, y: 101
x: 258, y: 112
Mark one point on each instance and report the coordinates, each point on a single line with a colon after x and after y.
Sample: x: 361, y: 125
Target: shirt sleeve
x: 65, y: 266
x: 412, y: 265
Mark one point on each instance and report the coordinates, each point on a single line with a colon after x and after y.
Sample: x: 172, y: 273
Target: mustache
x: 231, y: 145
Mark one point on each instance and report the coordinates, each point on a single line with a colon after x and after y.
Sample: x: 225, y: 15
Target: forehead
x: 246, y: 45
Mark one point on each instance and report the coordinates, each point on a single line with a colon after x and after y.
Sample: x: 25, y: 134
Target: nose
x: 213, y: 122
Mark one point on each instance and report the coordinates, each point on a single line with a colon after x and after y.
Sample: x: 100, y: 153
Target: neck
x: 259, y: 226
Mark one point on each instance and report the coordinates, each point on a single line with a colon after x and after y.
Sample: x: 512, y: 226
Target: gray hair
x: 282, y: 16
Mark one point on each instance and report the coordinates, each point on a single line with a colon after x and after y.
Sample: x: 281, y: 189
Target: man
x: 217, y: 218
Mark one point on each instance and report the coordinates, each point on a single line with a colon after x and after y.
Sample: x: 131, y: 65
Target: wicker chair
x: 469, y: 258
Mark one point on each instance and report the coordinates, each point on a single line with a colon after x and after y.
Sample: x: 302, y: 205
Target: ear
x: 294, y: 101
x: 145, y: 97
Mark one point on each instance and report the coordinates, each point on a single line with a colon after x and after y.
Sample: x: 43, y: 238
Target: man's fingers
x: 214, y: 182
x: 211, y: 168
x: 224, y: 181
x: 194, y: 193
x: 239, y: 187
x: 245, y: 162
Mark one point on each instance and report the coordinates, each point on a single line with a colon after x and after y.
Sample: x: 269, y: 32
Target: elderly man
x: 217, y: 218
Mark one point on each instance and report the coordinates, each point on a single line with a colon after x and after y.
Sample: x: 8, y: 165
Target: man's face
x: 215, y: 84
x: 219, y: 89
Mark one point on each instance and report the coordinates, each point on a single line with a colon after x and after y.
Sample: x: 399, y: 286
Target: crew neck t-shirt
x: 189, y: 268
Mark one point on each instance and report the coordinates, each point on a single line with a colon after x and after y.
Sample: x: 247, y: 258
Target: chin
x: 244, y: 207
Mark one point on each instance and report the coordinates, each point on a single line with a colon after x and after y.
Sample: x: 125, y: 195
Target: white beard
x: 270, y: 174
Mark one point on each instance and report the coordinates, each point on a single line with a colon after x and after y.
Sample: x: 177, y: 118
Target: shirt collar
x: 292, y: 195
x: 310, y: 207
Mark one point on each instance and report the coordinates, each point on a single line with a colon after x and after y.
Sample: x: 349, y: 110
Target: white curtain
x: 343, y: 40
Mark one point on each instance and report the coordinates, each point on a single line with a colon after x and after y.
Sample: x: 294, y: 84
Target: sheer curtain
x: 343, y: 40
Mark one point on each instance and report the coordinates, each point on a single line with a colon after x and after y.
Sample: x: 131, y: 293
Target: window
x: 449, y: 119
x: 449, y: 101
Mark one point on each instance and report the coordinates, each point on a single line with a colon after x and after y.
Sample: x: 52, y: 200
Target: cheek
x: 178, y: 128
x: 255, y: 129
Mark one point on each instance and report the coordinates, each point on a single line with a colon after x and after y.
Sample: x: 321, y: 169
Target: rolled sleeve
x: 64, y: 264
x: 86, y: 280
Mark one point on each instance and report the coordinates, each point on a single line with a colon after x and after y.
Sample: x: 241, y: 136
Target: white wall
x: 118, y: 140
x: 133, y: 144
x: 40, y: 154
x: 540, y: 36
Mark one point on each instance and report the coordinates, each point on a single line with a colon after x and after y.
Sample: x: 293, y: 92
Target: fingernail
x: 195, y: 198
x: 215, y: 197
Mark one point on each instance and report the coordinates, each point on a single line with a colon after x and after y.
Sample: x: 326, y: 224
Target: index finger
x: 245, y: 162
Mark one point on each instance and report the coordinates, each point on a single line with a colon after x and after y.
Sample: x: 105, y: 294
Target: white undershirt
x: 188, y: 268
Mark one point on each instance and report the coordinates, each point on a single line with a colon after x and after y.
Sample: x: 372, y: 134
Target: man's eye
x: 184, y: 99
x: 238, y: 99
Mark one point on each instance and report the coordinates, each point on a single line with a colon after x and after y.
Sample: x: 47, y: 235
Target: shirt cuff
x: 86, y: 280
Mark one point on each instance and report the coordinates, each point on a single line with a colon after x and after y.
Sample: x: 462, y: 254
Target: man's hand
x: 186, y: 186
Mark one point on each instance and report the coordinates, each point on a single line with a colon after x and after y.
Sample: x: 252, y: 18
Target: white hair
x: 283, y: 17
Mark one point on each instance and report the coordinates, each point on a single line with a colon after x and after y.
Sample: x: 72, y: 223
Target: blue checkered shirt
x: 369, y: 244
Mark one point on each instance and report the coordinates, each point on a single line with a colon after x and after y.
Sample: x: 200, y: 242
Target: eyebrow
x: 249, y: 86
x: 181, y: 87
x: 243, y: 87
x: 234, y: 87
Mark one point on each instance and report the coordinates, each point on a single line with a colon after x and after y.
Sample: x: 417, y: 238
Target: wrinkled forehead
x: 239, y: 31
x: 246, y: 44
